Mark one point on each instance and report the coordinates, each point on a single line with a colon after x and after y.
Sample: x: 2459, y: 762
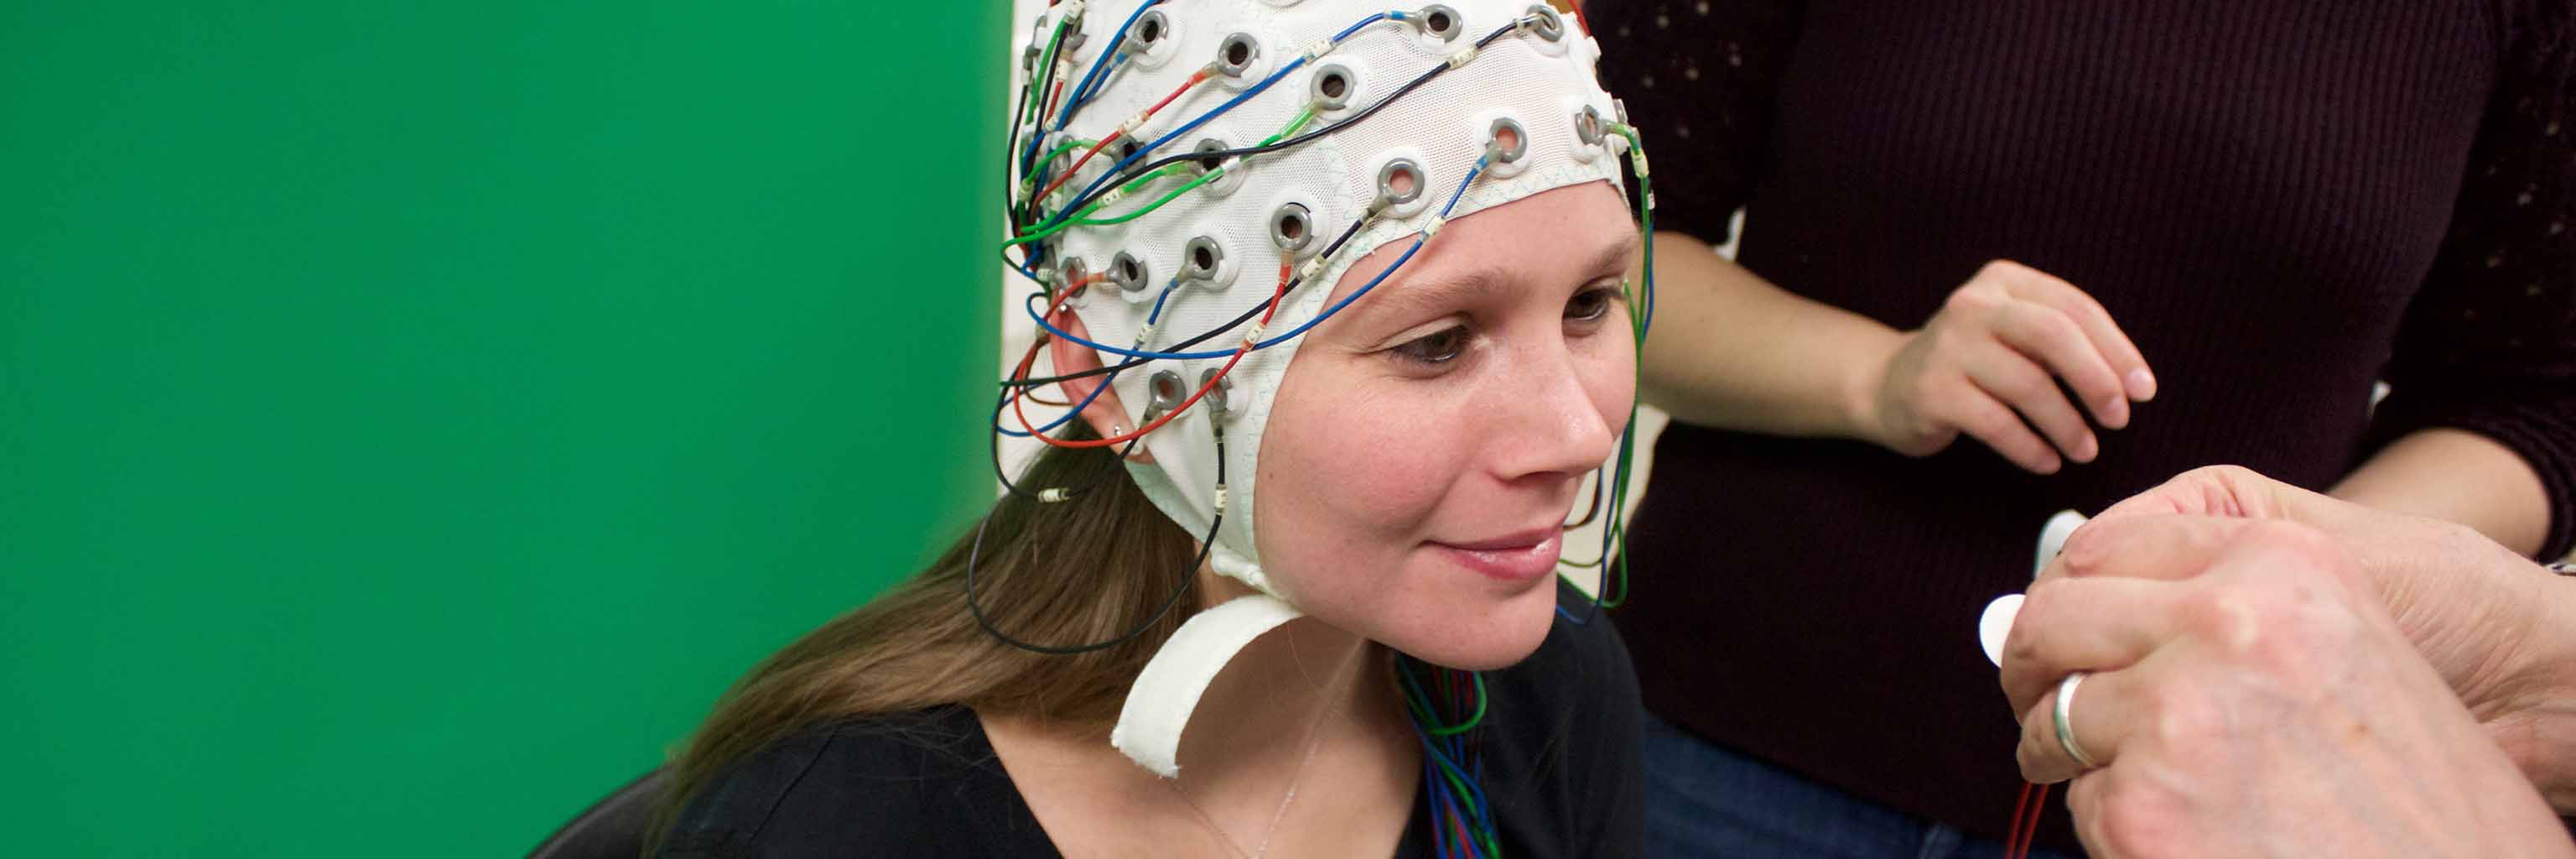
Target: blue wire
x: 1202, y: 119
x: 1440, y: 843
x: 1108, y: 54
x: 1074, y: 103
x: 1431, y: 746
x: 1292, y: 333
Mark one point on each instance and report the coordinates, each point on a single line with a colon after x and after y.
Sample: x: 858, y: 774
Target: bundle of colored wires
x: 1446, y: 710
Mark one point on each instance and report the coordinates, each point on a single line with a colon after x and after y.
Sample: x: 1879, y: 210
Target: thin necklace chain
x: 1314, y: 739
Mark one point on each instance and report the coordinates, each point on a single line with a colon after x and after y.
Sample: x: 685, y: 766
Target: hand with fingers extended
x: 2234, y: 687
x: 1989, y: 364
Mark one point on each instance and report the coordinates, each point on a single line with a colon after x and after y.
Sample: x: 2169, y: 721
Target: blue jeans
x: 1706, y: 800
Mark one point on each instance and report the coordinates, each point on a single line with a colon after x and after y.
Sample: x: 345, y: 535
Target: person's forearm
x: 1731, y: 350
x: 2457, y: 476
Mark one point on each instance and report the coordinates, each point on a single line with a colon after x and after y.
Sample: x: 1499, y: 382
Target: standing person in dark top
x: 1329, y: 549
x: 2006, y: 258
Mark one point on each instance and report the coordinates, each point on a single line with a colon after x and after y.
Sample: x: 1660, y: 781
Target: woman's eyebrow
x: 1440, y: 291
x: 1618, y: 254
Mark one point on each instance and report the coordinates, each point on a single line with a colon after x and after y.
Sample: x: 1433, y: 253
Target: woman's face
x: 1428, y: 442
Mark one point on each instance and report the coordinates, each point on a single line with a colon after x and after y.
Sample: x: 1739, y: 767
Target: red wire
x: 1285, y: 269
x: 2025, y: 821
x: 2012, y: 834
x: 1104, y: 141
x: 2038, y: 805
x: 1030, y: 359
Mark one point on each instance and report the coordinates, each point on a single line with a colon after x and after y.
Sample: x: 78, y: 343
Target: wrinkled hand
x: 2467, y: 604
x: 2249, y: 696
x: 1993, y: 356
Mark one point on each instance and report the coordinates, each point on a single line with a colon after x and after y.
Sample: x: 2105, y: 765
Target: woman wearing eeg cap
x: 1342, y: 288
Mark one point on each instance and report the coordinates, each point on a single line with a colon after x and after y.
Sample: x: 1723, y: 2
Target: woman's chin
x: 1500, y: 637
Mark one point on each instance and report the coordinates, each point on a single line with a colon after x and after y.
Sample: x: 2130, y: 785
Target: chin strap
x: 1158, y: 707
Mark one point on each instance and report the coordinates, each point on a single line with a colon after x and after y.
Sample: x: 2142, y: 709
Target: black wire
x: 1346, y: 122
x: 1012, y: 213
x: 975, y: 555
x: 1073, y: 102
x: 994, y: 446
x: 1220, y: 330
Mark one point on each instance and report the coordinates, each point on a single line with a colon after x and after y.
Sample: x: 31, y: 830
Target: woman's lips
x: 1513, y: 558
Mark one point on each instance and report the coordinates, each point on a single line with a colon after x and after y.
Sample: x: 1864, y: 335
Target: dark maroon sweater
x: 2280, y: 201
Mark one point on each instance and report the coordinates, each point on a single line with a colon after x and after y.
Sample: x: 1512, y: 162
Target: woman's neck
x: 1306, y: 705
x: 1267, y: 704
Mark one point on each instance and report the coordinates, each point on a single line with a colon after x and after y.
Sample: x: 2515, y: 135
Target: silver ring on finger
x: 2066, y: 721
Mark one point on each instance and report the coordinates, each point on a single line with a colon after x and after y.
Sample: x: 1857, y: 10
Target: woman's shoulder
x: 904, y: 783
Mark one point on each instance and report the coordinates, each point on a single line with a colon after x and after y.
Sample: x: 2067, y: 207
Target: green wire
x: 1083, y: 218
x: 1175, y: 194
x: 1303, y: 117
x: 1104, y: 200
x: 1059, y: 152
x: 1045, y: 70
x: 1627, y: 442
x: 1636, y: 321
x: 1431, y: 721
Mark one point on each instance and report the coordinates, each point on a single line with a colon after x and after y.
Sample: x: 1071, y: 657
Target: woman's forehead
x: 1573, y: 232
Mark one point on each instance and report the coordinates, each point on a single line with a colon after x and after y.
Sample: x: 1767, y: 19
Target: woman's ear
x: 1106, y: 414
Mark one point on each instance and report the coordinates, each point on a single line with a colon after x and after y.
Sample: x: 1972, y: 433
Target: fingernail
x: 2115, y: 412
x: 2086, y: 449
x: 2142, y: 385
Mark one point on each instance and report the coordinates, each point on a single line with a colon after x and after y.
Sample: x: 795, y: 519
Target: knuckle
x: 2137, y: 818
x: 2228, y: 614
x: 2085, y: 550
x: 2180, y: 717
x: 2030, y: 388
x: 1970, y: 298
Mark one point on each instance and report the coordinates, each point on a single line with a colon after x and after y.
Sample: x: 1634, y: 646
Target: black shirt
x: 2279, y: 201
x: 1561, y: 769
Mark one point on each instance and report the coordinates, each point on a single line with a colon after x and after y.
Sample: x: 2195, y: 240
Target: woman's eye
x: 1591, y: 304
x: 1434, y: 348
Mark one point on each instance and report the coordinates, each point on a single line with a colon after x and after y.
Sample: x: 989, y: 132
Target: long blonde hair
x: 1050, y: 573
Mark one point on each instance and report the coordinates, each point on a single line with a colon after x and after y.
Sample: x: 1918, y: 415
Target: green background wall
x: 412, y: 414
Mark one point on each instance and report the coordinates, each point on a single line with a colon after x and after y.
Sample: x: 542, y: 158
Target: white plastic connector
x: 1433, y: 228
x: 1220, y: 499
x: 1314, y: 268
x: 1053, y: 495
x: 1114, y: 195
x: 1321, y: 47
x: 1252, y: 338
x: 1462, y: 58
